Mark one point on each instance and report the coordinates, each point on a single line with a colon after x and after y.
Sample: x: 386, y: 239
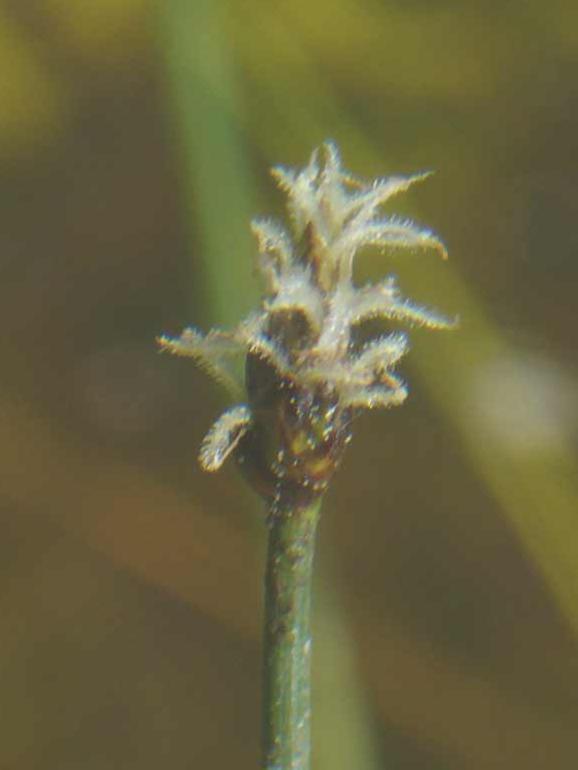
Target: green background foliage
x: 135, y: 140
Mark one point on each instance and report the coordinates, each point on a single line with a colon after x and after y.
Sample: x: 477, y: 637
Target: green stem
x: 287, y: 640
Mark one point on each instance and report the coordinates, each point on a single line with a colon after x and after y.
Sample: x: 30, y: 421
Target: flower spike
x: 306, y: 374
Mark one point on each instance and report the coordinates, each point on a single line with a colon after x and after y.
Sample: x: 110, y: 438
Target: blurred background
x: 135, y: 142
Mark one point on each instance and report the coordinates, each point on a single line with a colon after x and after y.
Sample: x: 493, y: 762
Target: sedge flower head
x: 306, y: 371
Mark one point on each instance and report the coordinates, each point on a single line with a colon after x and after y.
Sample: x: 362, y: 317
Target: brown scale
x: 297, y: 438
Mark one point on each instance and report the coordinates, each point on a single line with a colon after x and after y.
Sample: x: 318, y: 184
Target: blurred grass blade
x: 215, y: 179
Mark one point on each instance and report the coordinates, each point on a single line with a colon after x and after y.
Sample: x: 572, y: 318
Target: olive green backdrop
x: 135, y: 140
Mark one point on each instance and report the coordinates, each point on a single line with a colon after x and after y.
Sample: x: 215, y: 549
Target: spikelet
x: 306, y: 373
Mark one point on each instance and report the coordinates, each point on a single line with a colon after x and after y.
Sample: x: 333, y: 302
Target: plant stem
x: 287, y: 639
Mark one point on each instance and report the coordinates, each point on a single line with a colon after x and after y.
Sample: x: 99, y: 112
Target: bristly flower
x: 306, y: 371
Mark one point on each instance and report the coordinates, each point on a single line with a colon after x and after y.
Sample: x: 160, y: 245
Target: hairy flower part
x: 306, y: 373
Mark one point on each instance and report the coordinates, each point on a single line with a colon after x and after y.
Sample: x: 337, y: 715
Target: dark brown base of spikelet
x: 296, y: 441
